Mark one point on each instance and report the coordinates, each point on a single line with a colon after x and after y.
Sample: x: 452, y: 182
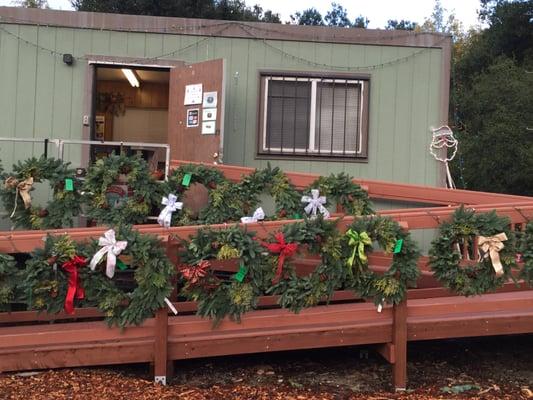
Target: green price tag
x: 121, y: 265
x: 239, y: 276
x: 69, y: 185
x: 186, y: 180
x: 297, y: 216
x: 398, y: 246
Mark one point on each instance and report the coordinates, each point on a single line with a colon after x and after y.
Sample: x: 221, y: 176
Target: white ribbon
x: 315, y: 202
x: 259, y: 214
x: 112, y: 248
x: 171, y: 205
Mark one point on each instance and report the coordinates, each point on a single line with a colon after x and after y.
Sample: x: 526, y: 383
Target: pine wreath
x: 477, y: 276
x: 391, y: 286
x: 527, y: 254
x: 9, y: 278
x: 47, y: 276
x: 120, y: 189
x: 17, y: 187
x: 141, y: 283
x: 311, y: 237
x: 219, y: 294
x: 341, y: 190
x: 181, y: 179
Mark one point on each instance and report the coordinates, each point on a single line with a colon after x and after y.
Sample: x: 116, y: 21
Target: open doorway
x: 131, y: 105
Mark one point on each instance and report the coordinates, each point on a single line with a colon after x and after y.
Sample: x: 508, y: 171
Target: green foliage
x: 235, y: 10
x: 390, y: 287
x: 132, y: 172
x: 349, y: 195
x: 309, y: 16
x: 59, y: 212
x: 492, y: 100
x: 403, y: 24
x: 477, y: 277
x: 526, y: 248
x: 9, y: 278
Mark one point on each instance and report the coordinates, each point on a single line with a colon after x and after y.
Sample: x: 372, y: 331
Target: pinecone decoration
x: 43, y: 213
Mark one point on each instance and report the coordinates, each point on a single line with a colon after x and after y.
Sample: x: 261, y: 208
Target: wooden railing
x: 430, y: 312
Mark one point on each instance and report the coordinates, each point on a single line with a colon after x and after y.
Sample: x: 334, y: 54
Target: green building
x: 312, y: 99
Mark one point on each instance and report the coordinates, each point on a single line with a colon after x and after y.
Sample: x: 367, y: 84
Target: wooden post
x: 160, y: 346
x: 399, y: 340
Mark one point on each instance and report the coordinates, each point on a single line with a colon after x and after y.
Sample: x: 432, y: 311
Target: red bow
x: 193, y: 273
x: 284, y: 250
x: 75, y: 290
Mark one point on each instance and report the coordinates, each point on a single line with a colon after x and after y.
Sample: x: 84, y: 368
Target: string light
x: 246, y: 29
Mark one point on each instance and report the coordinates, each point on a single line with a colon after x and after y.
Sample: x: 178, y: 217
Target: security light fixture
x: 131, y: 76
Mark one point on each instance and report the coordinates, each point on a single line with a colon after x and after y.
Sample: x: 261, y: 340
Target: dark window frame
x: 360, y: 156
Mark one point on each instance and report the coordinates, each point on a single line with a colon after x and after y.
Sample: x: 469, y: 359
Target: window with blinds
x: 313, y: 116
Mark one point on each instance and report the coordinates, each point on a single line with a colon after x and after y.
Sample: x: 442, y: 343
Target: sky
x: 377, y: 11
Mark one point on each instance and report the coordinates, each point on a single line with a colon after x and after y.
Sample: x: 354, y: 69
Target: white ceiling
x: 145, y: 75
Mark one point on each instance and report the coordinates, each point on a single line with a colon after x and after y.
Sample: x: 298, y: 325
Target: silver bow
x: 171, y: 205
x: 259, y: 214
x: 112, y: 248
x: 315, y: 202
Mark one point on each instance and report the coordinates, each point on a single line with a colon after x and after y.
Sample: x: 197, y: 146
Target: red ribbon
x: 75, y: 290
x: 284, y: 249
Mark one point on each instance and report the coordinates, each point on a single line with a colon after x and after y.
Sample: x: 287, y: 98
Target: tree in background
x: 337, y: 16
x: 32, y: 3
x: 493, y: 96
x: 404, y: 25
x: 235, y: 10
x: 310, y: 16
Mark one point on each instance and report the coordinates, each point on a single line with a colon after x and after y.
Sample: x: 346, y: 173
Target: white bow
x: 112, y: 248
x: 171, y: 205
x: 315, y: 202
x: 259, y: 214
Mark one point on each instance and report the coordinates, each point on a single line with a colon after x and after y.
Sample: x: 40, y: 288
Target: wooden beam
x: 399, y: 340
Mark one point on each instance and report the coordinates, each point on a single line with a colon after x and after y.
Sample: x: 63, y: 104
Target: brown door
x: 196, y: 111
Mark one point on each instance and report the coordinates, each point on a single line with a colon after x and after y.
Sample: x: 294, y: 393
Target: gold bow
x: 23, y: 188
x: 491, y: 246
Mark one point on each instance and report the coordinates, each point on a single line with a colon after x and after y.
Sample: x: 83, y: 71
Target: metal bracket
x: 162, y: 379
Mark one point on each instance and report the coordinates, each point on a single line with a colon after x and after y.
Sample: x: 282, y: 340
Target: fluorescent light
x: 131, y: 76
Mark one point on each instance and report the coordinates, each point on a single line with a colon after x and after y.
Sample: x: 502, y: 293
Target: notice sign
x: 193, y: 118
x: 193, y: 94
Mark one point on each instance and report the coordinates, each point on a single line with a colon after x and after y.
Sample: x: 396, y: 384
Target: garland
x: 9, y: 277
x: 391, y: 286
x: 17, y: 187
x: 218, y: 297
x: 59, y: 277
x: 478, y: 276
x: 120, y: 189
x: 527, y: 254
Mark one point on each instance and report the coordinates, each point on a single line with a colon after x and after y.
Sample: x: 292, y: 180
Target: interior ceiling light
x: 131, y: 76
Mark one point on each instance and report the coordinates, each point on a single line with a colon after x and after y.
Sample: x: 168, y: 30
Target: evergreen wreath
x: 311, y: 237
x: 181, y: 179
x: 341, y: 190
x: 46, y: 281
x: 129, y: 175
x: 17, y: 186
x: 391, y: 286
x: 218, y: 296
x: 527, y: 254
x: 277, y: 184
x: 9, y: 278
x: 144, y: 260
x: 476, y: 277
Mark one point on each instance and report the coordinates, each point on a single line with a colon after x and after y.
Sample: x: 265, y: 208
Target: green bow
x: 358, y: 241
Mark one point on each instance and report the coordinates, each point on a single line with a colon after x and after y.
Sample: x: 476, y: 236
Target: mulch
x: 482, y: 368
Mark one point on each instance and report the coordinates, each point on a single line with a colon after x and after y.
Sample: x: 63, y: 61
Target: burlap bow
x: 23, y: 188
x: 491, y: 246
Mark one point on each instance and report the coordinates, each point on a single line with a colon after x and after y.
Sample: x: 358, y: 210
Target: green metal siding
x: 40, y: 96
